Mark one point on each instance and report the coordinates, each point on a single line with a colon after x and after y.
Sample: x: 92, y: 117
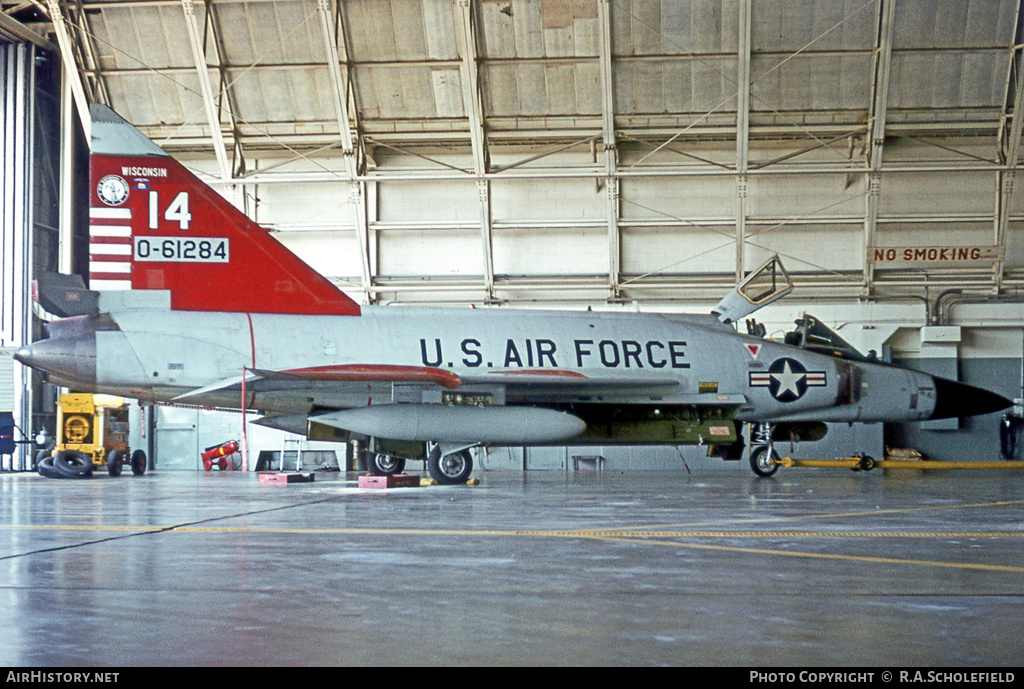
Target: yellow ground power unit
x: 92, y: 431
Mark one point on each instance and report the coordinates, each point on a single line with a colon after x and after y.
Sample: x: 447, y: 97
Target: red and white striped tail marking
x: 154, y: 225
x: 110, y: 248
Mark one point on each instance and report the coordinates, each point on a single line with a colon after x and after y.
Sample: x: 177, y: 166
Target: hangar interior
x: 606, y: 154
x: 614, y: 155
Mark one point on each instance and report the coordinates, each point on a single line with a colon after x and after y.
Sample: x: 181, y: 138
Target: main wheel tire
x: 380, y: 464
x: 764, y: 462
x: 450, y: 469
x: 73, y: 464
x: 45, y: 468
x: 115, y: 460
x: 138, y: 462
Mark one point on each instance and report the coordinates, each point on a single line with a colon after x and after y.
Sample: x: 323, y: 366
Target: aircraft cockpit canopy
x: 766, y: 284
x: 761, y: 287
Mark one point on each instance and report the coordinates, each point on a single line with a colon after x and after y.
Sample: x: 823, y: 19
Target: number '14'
x: 177, y: 211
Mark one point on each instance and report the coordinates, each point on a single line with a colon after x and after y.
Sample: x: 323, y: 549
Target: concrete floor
x: 809, y: 568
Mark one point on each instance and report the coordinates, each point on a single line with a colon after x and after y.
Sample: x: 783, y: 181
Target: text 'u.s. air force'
x: 545, y: 353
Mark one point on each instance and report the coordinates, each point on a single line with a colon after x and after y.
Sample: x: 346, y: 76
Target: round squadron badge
x: 787, y: 379
x: 112, y: 190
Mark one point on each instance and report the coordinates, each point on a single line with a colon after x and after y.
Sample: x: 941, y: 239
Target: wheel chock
x: 433, y: 482
x: 393, y: 481
x: 285, y: 478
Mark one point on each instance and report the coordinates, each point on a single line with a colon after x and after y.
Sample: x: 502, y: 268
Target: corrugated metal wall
x: 29, y: 203
x: 16, y: 78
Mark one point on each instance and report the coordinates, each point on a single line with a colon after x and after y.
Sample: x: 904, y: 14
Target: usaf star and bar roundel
x: 787, y: 379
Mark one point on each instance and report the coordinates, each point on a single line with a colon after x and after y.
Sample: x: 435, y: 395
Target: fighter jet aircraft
x: 192, y: 302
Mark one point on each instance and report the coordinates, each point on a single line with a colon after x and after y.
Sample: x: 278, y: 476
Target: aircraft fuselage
x: 618, y: 358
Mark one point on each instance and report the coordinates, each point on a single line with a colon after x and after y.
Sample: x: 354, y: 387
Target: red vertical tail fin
x: 155, y: 225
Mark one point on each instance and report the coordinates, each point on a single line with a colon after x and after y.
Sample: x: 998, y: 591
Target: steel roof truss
x: 467, y: 40
x: 71, y: 65
x: 613, y: 209
x: 1011, y: 153
x: 206, y: 87
x: 742, y: 130
x: 879, y: 106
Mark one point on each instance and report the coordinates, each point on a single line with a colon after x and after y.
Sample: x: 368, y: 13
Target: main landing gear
x: 380, y: 464
x: 447, y: 468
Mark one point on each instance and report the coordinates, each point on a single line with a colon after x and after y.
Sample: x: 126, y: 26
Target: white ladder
x: 291, y: 447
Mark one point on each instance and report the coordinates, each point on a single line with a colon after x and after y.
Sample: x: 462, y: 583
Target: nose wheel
x: 764, y: 460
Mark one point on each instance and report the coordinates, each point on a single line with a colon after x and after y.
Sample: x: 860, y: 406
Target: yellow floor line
x: 832, y: 556
x: 645, y: 537
x: 823, y: 516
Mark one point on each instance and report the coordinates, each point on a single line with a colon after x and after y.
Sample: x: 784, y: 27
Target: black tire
x: 115, y: 460
x: 45, y: 468
x: 764, y: 463
x: 450, y: 469
x: 867, y: 463
x: 41, y: 455
x: 73, y: 464
x: 384, y: 465
x: 138, y: 462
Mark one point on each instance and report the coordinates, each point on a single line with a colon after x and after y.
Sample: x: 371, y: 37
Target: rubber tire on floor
x: 462, y: 467
x: 41, y: 455
x: 757, y: 461
x: 384, y: 465
x: 73, y: 464
x: 138, y: 462
x: 45, y: 468
x: 115, y: 460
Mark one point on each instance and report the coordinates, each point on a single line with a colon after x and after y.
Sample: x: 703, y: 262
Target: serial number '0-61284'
x: 182, y: 249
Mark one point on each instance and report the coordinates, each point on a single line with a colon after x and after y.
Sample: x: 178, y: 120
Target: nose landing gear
x: 764, y: 460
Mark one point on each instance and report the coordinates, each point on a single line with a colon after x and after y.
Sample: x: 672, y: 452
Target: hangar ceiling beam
x: 742, y: 129
x: 89, y: 55
x: 334, y: 46
x: 467, y: 41
x: 610, y: 150
x: 206, y: 88
x: 226, y: 93
x: 465, y: 23
x: 886, y: 24
x: 71, y: 70
x: 12, y: 27
x: 336, y: 49
x: 1009, y: 151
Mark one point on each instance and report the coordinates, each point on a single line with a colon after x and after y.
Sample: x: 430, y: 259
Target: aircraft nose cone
x: 24, y: 356
x: 73, y: 358
x: 953, y: 399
